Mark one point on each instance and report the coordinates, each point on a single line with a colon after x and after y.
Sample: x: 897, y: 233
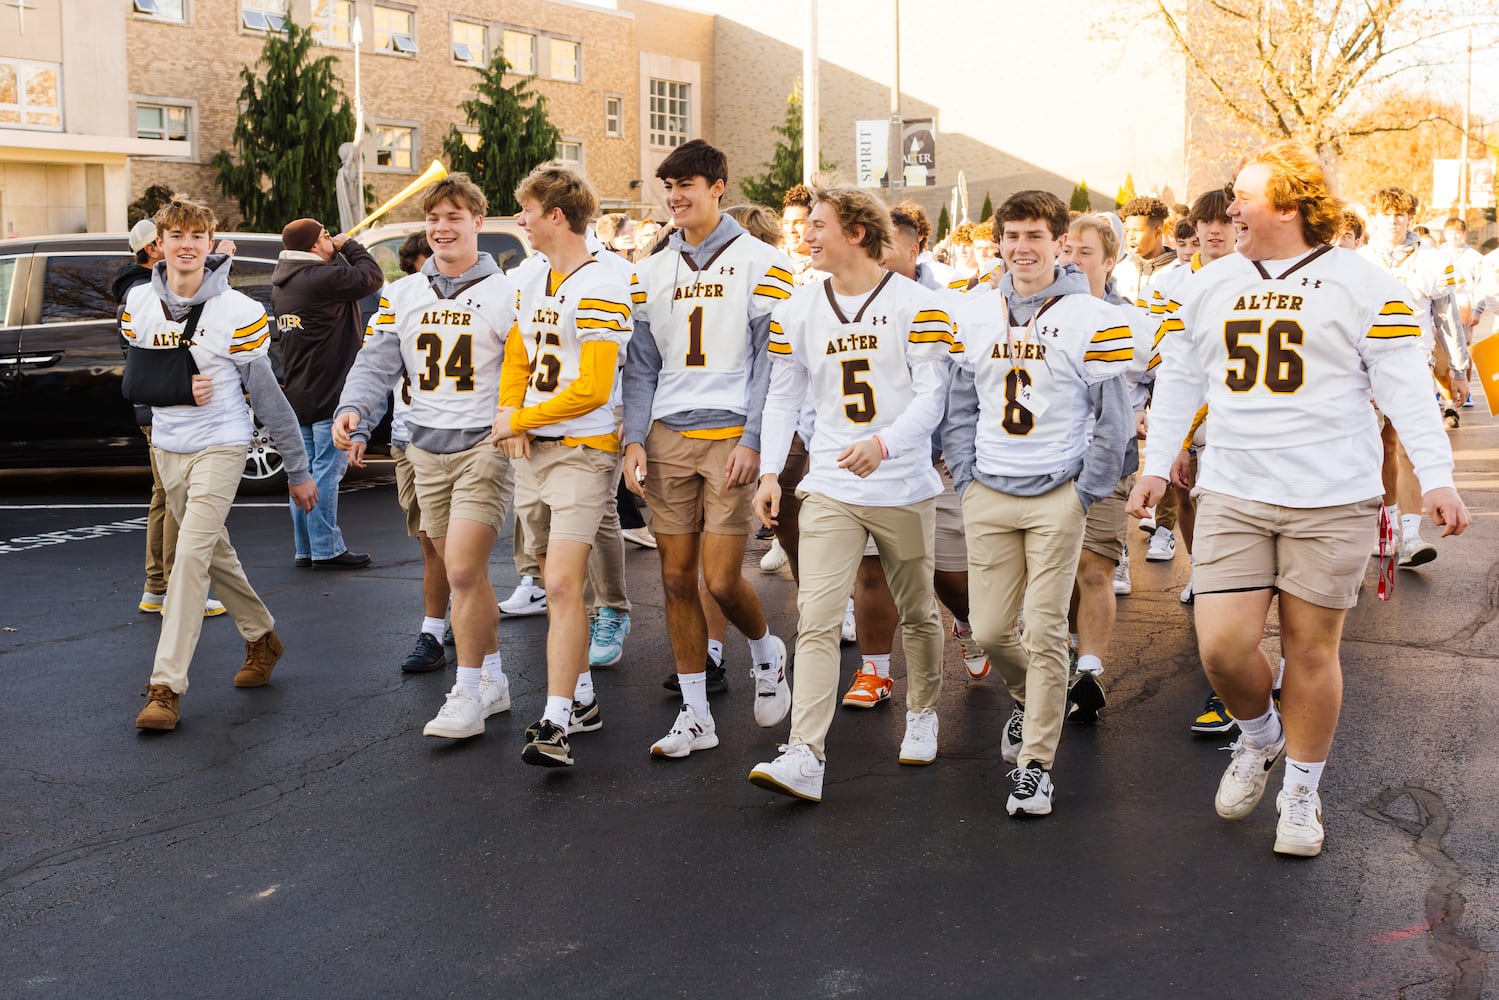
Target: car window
x: 7, y: 278
x: 387, y: 254
x: 505, y: 248
x: 253, y: 277
x: 76, y: 288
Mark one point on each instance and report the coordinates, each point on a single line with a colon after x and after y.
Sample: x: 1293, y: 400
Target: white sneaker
x: 687, y: 734
x: 152, y: 604
x: 1013, y: 736
x: 1147, y: 523
x: 1415, y: 550
x: 772, y: 693
x: 796, y: 772
x: 642, y: 536
x: 849, y: 632
x: 1187, y: 594
x: 1299, y: 830
x: 776, y: 559
x: 494, y: 694
x: 1033, y: 792
x: 1243, y: 784
x: 1122, y: 586
x: 459, y: 718
x: 920, y: 743
x: 975, y: 660
x: 526, y: 599
x: 1162, y: 546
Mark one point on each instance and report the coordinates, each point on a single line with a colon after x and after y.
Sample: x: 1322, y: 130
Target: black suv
x: 61, y: 360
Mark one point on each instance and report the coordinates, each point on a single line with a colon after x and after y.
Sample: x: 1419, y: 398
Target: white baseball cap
x: 141, y: 233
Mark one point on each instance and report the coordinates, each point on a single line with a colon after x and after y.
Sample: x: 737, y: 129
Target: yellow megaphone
x: 430, y: 176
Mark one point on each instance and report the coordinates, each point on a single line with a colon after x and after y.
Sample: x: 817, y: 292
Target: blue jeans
x: 316, y: 532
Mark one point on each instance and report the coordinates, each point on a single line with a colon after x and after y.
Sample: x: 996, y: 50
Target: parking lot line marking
x: 110, y: 506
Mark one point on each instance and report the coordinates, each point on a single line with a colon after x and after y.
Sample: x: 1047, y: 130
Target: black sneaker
x: 548, y: 746
x: 1085, y: 697
x: 764, y: 534
x: 718, y: 679
x: 447, y: 636
x: 428, y: 655
x: 1450, y: 419
x: 585, y: 718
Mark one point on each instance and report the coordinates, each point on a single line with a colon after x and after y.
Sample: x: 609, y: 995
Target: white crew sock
x: 492, y: 667
x: 468, y: 681
x: 433, y: 627
x: 1264, y: 731
x: 558, y: 711
x: 763, y: 649
x: 877, y: 664
x: 695, y: 693
x: 1410, y: 524
x: 583, y: 693
x: 1299, y: 772
x: 1089, y: 663
x: 715, y: 651
x: 1280, y: 672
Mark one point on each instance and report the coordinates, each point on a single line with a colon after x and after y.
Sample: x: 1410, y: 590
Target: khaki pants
x: 1022, y: 552
x: 161, y: 530
x: 832, y: 544
x: 200, y: 488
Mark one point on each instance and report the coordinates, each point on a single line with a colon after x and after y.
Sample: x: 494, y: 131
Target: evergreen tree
x: 944, y: 223
x: 1126, y: 192
x: 988, y: 210
x: 286, y: 138
x: 1080, y: 202
x: 515, y: 135
x: 784, y: 171
x: 146, y: 205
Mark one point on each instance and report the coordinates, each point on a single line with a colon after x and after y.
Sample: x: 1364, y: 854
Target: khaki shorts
x: 951, y: 543
x: 1315, y: 553
x: 686, y: 487
x: 1107, y: 522
x: 472, y: 485
x: 406, y: 490
x: 562, y: 492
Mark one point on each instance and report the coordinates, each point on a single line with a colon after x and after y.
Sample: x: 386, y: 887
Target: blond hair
x: 556, y: 185
x: 185, y: 215
x: 458, y: 189
x: 760, y: 222
x: 856, y: 208
x: 1298, y: 181
x: 1099, y: 225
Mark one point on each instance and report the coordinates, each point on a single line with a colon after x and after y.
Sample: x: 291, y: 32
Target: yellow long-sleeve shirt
x: 597, y: 362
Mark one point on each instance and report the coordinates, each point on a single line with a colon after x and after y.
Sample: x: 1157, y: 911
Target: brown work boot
x: 161, y: 708
x: 260, y: 659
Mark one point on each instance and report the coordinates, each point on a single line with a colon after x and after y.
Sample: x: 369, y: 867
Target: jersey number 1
x: 695, y: 356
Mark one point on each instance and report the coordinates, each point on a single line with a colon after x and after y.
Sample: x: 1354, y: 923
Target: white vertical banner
x: 871, y: 152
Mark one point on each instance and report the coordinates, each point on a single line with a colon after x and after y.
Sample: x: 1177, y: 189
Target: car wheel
x: 265, y: 469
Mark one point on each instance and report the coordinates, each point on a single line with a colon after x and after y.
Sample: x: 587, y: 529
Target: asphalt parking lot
x: 304, y: 840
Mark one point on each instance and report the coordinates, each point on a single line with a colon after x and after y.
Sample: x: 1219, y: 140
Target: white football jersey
x: 1427, y: 274
x: 881, y: 371
x: 452, y: 348
x: 699, y: 309
x: 1073, y: 341
x: 556, y: 319
x: 232, y: 330
x: 1285, y: 354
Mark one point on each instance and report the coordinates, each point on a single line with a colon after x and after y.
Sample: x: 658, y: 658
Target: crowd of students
x: 914, y: 431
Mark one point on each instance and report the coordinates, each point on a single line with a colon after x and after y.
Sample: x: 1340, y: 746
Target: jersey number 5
x: 1284, y: 369
x: 459, y: 366
x: 861, y: 411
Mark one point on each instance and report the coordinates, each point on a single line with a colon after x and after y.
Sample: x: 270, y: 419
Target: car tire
x: 265, y: 469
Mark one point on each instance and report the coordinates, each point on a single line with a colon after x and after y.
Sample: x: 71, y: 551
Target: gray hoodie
x: 379, y: 365
x: 266, y: 398
x: 1097, y: 473
x: 642, y: 366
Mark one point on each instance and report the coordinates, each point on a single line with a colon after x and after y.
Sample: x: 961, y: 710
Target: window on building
x: 520, y: 52
x: 570, y: 151
x: 395, y: 30
x: 567, y: 60
x: 470, y: 138
x: 614, y: 116
x: 163, y: 121
x: 333, y: 22
x: 669, y: 113
x: 263, y: 15
x: 30, y: 95
x: 395, y: 146
x: 166, y: 10
x: 470, y: 43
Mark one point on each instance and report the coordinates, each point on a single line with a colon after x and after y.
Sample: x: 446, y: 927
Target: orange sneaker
x: 868, y: 690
